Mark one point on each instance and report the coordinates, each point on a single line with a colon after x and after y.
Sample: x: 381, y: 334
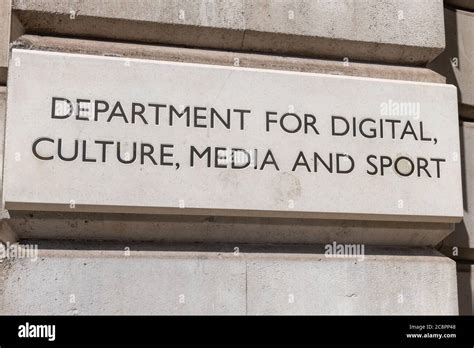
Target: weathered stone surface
x: 224, y: 58
x: 68, y: 279
x: 6, y: 233
x: 457, y: 61
x: 5, y: 14
x: 168, y: 183
x: 212, y: 229
x: 381, y: 284
x: 405, y: 31
x: 463, y: 236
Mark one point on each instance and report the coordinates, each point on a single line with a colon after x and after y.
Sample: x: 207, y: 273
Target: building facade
x: 237, y: 157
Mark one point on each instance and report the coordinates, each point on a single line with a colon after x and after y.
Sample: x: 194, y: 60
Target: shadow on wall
x: 464, y: 289
x: 447, y: 61
x: 153, y: 246
x: 462, y: 146
x: 462, y: 238
x: 445, y: 64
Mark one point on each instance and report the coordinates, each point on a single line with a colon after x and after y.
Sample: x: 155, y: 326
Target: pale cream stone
x: 457, y: 61
x: 151, y: 279
x: 36, y: 77
x: 403, y: 32
x: 5, y: 14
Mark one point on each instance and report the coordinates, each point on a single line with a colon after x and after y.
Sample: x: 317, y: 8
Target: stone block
x: 463, y: 236
x: 213, y: 229
x: 225, y: 58
x: 404, y: 178
x: 209, y: 228
x: 381, y: 284
x: 5, y: 15
x: 403, y: 32
x: 457, y: 61
x: 138, y: 279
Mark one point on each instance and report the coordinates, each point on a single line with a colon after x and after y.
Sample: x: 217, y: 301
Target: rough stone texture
x: 403, y: 31
x: 249, y: 60
x: 342, y: 287
x: 463, y: 236
x: 224, y: 280
x: 457, y: 61
x: 466, y: 289
x: 5, y: 15
x: 461, y: 4
x: 208, y: 229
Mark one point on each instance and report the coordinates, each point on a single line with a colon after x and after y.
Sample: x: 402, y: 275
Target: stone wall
x: 457, y: 64
x: 106, y: 263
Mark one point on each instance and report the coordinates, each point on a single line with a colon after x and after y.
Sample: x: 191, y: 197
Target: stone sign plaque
x: 107, y: 134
